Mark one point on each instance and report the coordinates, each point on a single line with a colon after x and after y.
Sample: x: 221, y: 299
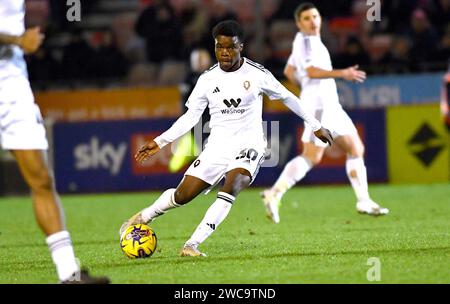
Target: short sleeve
x: 291, y: 60
x: 303, y: 53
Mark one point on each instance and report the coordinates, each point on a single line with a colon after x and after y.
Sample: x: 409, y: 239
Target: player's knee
x: 313, y: 159
x: 357, y: 150
x: 181, y: 197
x: 41, y: 181
x: 362, y: 150
x: 239, y: 183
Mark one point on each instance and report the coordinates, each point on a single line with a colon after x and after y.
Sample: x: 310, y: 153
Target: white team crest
x: 246, y: 84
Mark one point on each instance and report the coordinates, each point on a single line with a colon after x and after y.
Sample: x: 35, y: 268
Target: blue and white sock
x: 292, y: 173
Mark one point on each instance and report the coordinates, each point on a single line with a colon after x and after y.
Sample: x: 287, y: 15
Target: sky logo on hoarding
x: 95, y: 155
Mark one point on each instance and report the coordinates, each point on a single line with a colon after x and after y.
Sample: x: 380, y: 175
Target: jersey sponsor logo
x: 233, y: 111
x: 232, y: 102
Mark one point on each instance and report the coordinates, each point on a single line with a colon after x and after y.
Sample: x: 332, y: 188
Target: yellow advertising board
x: 417, y: 144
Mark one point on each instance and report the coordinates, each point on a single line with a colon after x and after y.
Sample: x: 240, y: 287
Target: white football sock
x: 216, y: 213
x: 292, y: 173
x: 163, y: 204
x: 357, y: 174
x: 61, y: 249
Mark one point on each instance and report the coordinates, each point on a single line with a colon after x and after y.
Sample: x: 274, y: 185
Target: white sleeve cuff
x: 316, y: 127
x: 160, y: 142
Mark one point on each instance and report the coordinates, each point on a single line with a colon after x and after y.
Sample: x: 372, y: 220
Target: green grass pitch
x: 321, y: 238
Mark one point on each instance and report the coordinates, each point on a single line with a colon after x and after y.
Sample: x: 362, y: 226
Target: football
x: 138, y: 241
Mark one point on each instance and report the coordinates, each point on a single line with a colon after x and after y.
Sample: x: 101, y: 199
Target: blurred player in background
x: 232, y: 89
x: 445, y: 104
x: 309, y: 67
x: 188, y: 148
x: 22, y: 132
x: 445, y: 98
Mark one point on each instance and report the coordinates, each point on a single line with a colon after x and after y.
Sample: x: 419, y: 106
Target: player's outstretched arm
x: 275, y: 90
x: 147, y: 150
x: 352, y: 73
x: 183, y: 124
x: 289, y: 72
x: 294, y: 104
x: 29, y: 41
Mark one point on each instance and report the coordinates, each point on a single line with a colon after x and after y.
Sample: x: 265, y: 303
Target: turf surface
x: 321, y: 239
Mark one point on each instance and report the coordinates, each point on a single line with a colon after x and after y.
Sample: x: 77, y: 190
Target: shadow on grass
x: 128, y: 263
x: 212, y: 259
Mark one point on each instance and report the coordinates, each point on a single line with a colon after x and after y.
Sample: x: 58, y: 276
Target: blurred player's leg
x: 357, y: 174
x: 294, y: 171
x: 47, y: 206
x: 235, y: 181
x: 50, y: 216
x: 48, y: 211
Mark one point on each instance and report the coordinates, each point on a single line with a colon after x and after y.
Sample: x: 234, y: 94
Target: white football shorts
x: 21, y: 124
x: 212, y: 164
x: 334, y: 119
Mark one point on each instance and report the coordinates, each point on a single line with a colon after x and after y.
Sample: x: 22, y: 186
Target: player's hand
x: 150, y: 148
x: 31, y: 40
x: 354, y: 74
x: 324, y: 135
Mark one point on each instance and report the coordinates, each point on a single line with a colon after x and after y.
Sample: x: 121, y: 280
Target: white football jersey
x: 235, y: 102
x: 309, y: 51
x: 12, y: 14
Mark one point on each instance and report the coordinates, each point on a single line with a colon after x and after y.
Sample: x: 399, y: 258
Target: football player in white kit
x: 22, y: 132
x: 232, y: 89
x: 309, y: 66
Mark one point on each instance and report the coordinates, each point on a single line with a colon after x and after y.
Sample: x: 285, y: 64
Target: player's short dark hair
x: 303, y: 7
x: 229, y: 28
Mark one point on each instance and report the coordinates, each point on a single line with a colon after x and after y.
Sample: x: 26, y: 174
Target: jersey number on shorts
x: 248, y: 153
